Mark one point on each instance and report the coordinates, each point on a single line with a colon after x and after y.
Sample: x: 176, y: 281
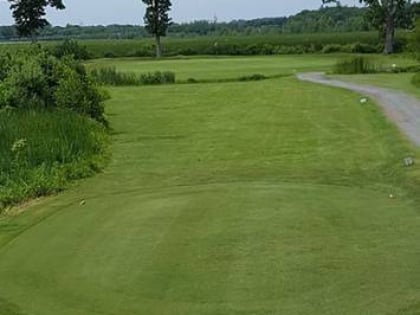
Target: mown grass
x: 397, y: 81
x: 267, y: 197
x: 221, y: 68
x: 41, y: 151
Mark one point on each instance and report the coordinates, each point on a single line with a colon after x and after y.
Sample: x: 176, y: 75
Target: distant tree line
x: 327, y: 19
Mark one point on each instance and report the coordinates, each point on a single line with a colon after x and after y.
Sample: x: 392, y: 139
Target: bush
x: 37, y: 79
x: 355, y: 65
x: 360, y: 48
x: 71, y: 48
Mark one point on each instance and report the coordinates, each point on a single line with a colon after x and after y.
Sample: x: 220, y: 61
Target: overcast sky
x: 93, y: 12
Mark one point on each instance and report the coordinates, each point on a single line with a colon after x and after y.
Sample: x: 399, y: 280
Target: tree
x: 29, y: 15
x: 386, y: 16
x: 157, y: 20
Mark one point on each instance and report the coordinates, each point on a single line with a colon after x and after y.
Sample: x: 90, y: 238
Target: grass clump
x: 355, y: 65
x: 41, y: 150
x: 110, y: 76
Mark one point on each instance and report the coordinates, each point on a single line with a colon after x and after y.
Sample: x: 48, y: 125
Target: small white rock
x: 408, y: 162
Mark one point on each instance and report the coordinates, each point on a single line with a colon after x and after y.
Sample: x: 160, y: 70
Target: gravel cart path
x: 399, y: 107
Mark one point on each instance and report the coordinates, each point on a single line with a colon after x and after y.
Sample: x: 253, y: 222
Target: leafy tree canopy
x: 29, y: 15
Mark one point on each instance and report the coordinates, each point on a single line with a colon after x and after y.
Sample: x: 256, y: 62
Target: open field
x: 238, y: 198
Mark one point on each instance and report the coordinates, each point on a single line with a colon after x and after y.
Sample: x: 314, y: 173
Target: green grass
x: 398, y: 81
x: 266, y: 197
x: 235, y: 67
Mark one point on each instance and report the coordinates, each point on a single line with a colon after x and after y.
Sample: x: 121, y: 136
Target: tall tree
x: 29, y: 15
x: 386, y: 16
x: 157, y: 20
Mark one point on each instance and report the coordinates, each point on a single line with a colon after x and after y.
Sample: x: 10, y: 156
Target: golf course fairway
x: 254, y: 198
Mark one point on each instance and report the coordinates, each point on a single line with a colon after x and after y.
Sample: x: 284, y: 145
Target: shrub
x: 37, y: 79
x: 355, y: 65
x: 80, y: 96
x: 71, y: 48
x: 360, y: 48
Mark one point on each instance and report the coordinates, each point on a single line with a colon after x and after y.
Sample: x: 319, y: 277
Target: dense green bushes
x: 110, y: 76
x: 37, y: 79
x: 41, y: 150
x: 71, y: 48
x: 52, y: 124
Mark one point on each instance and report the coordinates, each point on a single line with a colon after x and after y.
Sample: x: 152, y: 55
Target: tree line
x: 383, y: 15
x: 324, y: 20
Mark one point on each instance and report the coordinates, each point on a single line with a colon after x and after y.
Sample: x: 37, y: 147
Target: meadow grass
x: 267, y: 197
x: 42, y: 150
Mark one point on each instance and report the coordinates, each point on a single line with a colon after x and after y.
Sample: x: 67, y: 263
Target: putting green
x: 240, y: 198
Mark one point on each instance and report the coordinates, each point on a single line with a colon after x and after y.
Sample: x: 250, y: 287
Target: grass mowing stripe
x: 275, y: 202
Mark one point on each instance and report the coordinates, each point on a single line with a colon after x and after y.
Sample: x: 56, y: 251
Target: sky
x: 103, y: 12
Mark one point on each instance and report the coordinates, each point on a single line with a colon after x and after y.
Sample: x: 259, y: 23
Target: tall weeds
x: 41, y: 151
x: 110, y: 76
x: 356, y: 65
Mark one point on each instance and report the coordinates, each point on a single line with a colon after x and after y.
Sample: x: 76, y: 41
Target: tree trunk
x: 389, y: 34
x: 158, y: 47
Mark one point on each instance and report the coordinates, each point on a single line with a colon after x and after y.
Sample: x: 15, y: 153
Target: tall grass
x: 356, y: 65
x: 41, y: 151
x: 110, y: 76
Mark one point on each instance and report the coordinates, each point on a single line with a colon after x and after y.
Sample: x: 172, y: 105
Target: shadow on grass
x: 7, y: 308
